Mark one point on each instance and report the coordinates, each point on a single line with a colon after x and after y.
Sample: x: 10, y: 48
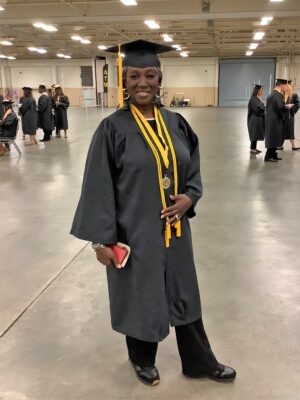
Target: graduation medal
x: 160, y: 153
x: 166, y: 182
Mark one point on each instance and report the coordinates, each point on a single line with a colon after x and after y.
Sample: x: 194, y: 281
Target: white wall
x: 69, y: 77
x: 17, y: 73
x: 289, y: 68
x: 191, y: 72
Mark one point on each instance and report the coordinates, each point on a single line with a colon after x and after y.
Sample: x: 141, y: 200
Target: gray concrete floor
x: 57, y: 343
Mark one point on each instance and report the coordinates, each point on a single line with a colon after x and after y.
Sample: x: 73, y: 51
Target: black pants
x: 194, y: 349
x: 47, y: 134
x: 271, y: 153
x: 253, y: 145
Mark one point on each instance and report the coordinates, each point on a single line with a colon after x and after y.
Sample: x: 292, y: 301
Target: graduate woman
x: 140, y: 187
x: 291, y: 98
x: 256, y: 118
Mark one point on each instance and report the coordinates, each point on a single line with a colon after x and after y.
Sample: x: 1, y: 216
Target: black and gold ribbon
x: 160, y: 152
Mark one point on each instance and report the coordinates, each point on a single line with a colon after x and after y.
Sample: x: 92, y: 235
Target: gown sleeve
x: 42, y: 103
x: 296, y: 104
x: 95, y: 217
x: 65, y: 102
x: 24, y: 107
x: 193, y: 185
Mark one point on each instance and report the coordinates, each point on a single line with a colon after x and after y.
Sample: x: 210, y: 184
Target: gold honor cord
x: 163, y: 152
x: 120, y: 62
x: 139, y: 120
x: 178, y: 223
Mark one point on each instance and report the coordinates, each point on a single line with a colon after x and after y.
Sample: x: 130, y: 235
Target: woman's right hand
x: 107, y: 257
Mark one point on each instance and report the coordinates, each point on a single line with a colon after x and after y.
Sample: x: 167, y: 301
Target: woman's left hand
x: 176, y: 211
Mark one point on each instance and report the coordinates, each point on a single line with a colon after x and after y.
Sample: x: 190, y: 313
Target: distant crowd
x: 273, y: 121
x: 50, y: 113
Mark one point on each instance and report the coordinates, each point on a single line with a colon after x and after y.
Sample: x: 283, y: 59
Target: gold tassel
x: 120, y: 61
x: 178, y: 228
x: 168, y: 235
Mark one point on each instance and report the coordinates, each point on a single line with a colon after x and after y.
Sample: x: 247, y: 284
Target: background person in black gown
x: 61, y: 106
x: 256, y: 118
x: 45, y: 116
x: 1, y: 105
x: 275, y: 113
x: 28, y: 112
x: 289, y: 121
x: 8, y: 125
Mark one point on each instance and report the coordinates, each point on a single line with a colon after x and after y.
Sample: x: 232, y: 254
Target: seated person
x: 8, y: 125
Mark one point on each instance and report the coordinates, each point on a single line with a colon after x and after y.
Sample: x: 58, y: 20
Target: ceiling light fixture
x: 258, y: 35
x: 129, y: 2
x: 184, y: 54
x: 11, y: 58
x: 45, y: 27
x: 167, y: 37
x: 102, y: 47
x: 61, y: 55
x: 2, y: 56
x: 38, y: 50
x: 75, y: 37
x: 177, y: 47
x: 6, y: 43
x: 80, y: 39
x: 266, y: 20
x: 249, y: 53
x: 152, y: 24
x: 253, y: 46
x: 276, y: 1
x: 2, y: 8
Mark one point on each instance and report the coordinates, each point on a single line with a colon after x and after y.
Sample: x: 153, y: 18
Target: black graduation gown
x: 275, y: 114
x: 8, y: 126
x: 120, y: 201
x: 45, y: 116
x: 256, y: 119
x: 52, y: 101
x: 61, y: 117
x: 29, y: 116
x: 1, y: 106
x: 289, y: 122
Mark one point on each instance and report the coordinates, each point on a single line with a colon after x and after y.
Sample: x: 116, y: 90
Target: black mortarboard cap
x: 280, y: 81
x: 26, y: 88
x: 290, y: 81
x: 7, y: 102
x: 141, y: 53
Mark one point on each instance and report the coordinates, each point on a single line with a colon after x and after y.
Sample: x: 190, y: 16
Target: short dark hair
x: 42, y: 87
x: 27, y: 92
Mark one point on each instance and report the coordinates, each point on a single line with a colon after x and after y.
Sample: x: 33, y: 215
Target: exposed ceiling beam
x: 161, y: 17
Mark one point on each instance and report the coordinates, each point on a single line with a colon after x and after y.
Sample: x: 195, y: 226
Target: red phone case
x: 119, y: 252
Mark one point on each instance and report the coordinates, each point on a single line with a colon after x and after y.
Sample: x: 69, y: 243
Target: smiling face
x: 142, y: 85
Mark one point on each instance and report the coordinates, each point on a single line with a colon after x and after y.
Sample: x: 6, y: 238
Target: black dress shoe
x: 295, y: 148
x: 147, y: 375
x: 278, y: 158
x: 280, y: 148
x: 45, y: 140
x: 271, y: 159
x: 222, y: 373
